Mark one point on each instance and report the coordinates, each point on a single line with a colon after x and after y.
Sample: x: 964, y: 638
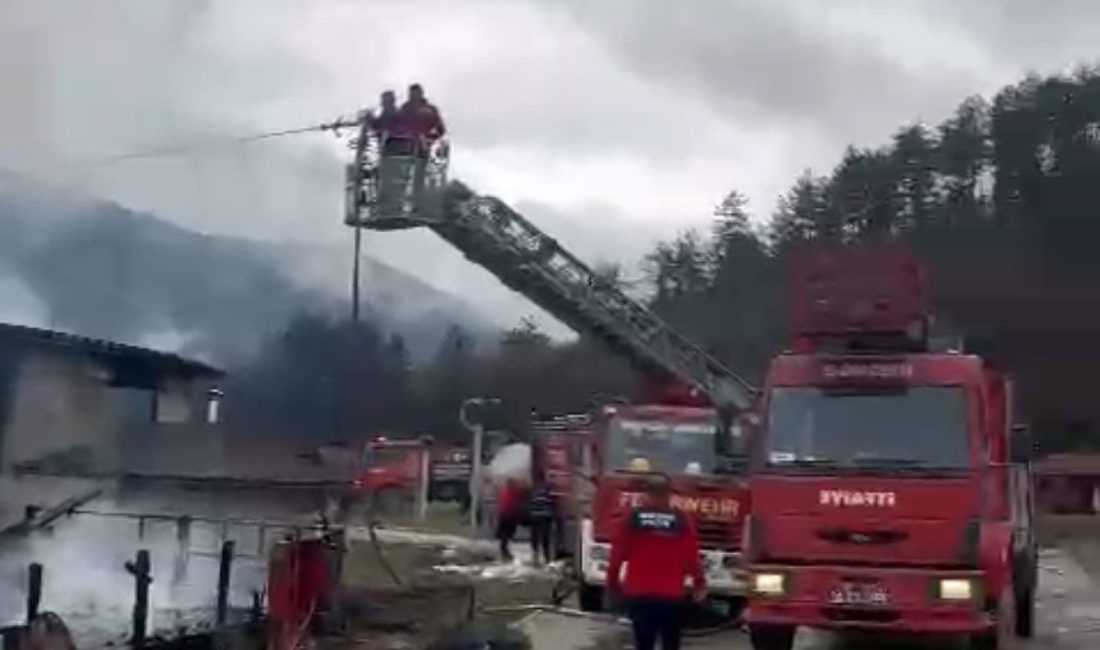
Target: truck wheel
x: 591, y: 598
x: 1024, y: 596
x: 735, y: 606
x: 990, y: 640
x: 772, y: 637
x: 1024, y: 614
x: 994, y: 638
x: 446, y: 492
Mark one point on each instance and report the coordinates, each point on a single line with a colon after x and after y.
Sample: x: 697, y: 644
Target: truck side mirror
x: 1021, y: 448
x: 723, y: 432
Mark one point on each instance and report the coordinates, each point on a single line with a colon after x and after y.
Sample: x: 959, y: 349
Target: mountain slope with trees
x: 1001, y: 200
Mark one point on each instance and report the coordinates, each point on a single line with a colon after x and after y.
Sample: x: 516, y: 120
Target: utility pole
x: 477, y: 428
x: 356, y: 205
x: 355, y: 272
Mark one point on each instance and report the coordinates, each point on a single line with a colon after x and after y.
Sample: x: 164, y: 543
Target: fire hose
x: 372, y: 526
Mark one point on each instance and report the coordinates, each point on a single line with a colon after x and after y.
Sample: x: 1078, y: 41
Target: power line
x: 187, y: 149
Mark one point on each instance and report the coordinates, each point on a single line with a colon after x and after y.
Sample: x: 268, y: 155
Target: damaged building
x: 82, y: 406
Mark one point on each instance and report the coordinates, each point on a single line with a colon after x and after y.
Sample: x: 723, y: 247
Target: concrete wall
x: 58, y: 402
x: 181, y: 402
x: 176, y: 438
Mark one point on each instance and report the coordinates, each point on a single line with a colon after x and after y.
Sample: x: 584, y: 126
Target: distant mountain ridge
x: 98, y: 269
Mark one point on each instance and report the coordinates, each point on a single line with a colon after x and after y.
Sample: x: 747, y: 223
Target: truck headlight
x: 955, y: 589
x: 769, y: 584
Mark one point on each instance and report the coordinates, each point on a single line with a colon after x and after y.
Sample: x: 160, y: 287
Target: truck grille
x: 718, y: 534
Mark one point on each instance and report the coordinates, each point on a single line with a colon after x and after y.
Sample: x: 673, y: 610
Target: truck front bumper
x: 725, y: 577
x: 906, y: 600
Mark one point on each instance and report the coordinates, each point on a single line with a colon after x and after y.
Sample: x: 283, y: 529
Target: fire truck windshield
x: 920, y: 427
x: 671, y: 447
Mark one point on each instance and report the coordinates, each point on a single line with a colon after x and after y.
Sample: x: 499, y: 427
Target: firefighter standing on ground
x: 659, y: 548
x: 542, y: 520
x: 510, y: 502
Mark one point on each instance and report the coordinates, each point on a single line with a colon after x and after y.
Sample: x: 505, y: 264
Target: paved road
x: 1069, y: 618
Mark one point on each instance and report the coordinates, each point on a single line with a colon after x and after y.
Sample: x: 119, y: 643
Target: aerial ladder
x: 394, y: 192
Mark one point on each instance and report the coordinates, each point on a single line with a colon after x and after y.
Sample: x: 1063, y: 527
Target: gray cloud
x: 768, y: 62
x: 743, y: 92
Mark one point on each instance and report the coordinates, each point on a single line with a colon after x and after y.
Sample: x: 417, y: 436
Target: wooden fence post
x: 140, y: 568
x: 34, y: 590
x: 223, y: 582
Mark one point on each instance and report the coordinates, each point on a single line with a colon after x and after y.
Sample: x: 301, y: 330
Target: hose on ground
x: 372, y: 525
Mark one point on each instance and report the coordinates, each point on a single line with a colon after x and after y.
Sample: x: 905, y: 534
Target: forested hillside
x: 1002, y: 200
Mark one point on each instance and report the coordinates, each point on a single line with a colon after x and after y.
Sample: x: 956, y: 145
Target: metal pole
x: 478, y: 429
x: 140, y: 569
x: 34, y: 590
x: 475, y: 475
x: 223, y: 582
x: 422, y: 492
x: 355, y: 273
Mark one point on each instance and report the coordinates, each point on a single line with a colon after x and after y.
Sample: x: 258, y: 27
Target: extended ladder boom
x: 524, y: 258
x: 527, y: 260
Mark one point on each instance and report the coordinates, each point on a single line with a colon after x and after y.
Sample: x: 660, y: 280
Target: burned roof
x: 131, y: 365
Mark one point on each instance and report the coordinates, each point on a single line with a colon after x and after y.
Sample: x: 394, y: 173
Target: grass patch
x: 427, y: 604
x: 441, y: 517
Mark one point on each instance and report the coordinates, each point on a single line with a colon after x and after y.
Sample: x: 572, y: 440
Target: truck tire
x: 995, y: 638
x: 1024, y: 597
x: 445, y: 492
x: 990, y: 640
x: 772, y: 637
x: 735, y: 606
x: 591, y: 598
x: 1024, y: 611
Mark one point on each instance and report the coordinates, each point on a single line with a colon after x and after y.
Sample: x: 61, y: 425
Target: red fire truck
x: 392, y: 468
x: 674, y: 435
x: 890, y: 490
x: 679, y: 442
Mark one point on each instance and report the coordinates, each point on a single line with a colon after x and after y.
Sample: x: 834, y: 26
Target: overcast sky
x: 610, y: 122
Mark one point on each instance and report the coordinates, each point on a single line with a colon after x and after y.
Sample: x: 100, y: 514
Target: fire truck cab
x: 393, y: 469
x: 890, y: 490
x: 677, y: 441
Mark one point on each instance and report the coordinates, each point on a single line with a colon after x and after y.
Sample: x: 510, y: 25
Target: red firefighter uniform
x: 660, y: 548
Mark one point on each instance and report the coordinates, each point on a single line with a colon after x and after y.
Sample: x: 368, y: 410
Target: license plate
x: 859, y: 594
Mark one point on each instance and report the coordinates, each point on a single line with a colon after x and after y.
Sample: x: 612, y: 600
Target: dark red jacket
x: 387, y: 122
x: 660, y: 549
x: 419, y: 120
x: 510, y: 500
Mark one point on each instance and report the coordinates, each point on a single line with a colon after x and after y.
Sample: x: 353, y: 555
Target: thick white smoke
x: 20, y: 306
x: 511, y: 462
x: 85, y: 580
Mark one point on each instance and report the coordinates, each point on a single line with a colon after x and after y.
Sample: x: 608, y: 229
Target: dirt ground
x: 1068, y: 617
x: 445, y: 577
